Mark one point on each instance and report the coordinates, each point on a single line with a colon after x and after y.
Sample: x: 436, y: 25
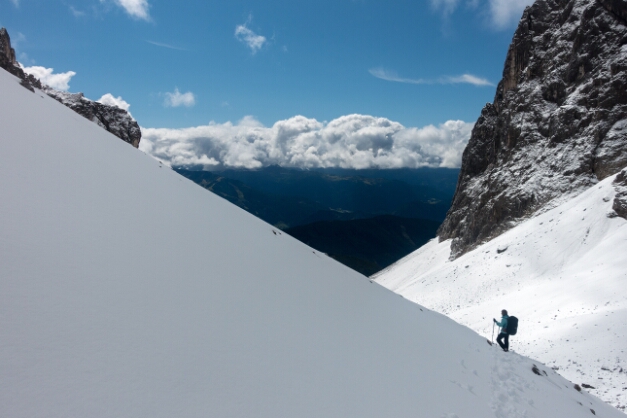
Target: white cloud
x: 136, y: 8
x: 164, y: 45
x: 46, y: 75
x: 352, y: 141
x: 469, y: 79
x: 446, y: 6
x: 249, y: 38
x: 390, y: 75
x: 76, y: 12
x: 505, y: 12
x: 501, y: 13
x: 16, y: 2
x: 177, y: 99
x: 110, y: 100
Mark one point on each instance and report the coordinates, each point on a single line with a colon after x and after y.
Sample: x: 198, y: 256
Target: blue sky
x: 184, y: 64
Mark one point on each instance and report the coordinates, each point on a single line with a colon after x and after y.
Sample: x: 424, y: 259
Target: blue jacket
x: 503, y: 324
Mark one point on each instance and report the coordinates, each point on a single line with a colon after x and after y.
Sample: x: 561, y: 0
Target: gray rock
x: 10, y: 64
x: 558, y: 123
x: 620, y: 200
x: 112, y: 118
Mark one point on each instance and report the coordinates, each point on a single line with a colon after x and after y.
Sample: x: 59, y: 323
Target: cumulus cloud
x: 177, y: 99
x: 501, y: 13
x: 249, y: 38
x: 352, y: 141
x: 58, y: 81
x: 135, y: 8
x: 110, y: 100
x: 390, y: 75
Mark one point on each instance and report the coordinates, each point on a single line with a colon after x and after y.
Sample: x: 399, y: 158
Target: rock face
x: 620, y: 201
x: 9, y: 63
x: 115, y: 120
x: 558, y: 123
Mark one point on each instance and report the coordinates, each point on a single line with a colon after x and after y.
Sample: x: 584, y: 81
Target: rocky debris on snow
x: 620, y: 200
x: 535, y: 369
x: 587, y: 386
x: 558, y: 123
x: 115, y: 120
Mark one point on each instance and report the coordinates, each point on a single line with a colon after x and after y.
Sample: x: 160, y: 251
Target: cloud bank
x: 352, y: 141
x: 501, y: 13
x: 58, y: 81
x: 390, y: 75
x: 177, y: 99
x: 249, y: 38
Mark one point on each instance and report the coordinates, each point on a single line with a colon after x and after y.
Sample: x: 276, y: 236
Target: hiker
x: 503, y: 335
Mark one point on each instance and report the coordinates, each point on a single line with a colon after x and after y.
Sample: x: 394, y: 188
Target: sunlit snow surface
x: 562, y: 273
x: 128, y: 291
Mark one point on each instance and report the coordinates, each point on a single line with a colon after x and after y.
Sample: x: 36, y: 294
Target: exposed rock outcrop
x: 558, y: 123
x: 10, y: 64
x: 620, y: 200
x: 115, y: 120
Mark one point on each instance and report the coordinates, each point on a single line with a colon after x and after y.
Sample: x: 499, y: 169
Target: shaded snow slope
x: 128, y: 291
x: 562, y: 273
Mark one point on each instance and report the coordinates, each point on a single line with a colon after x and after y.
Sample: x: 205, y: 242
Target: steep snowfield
x: 562, y: 273
x: 128, y: 291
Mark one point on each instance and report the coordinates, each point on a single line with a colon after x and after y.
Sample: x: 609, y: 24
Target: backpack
x: 512, y: 325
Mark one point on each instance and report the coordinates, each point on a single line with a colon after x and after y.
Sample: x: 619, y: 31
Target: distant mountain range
x: 328, y: 208
x: 367, y: 245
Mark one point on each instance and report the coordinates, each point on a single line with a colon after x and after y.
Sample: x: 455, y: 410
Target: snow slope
x: 128, y: 291
x: 563, y: 273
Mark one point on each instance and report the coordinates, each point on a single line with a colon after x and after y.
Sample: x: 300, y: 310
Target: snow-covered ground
x: 563, y: 273
x: 128, y: 291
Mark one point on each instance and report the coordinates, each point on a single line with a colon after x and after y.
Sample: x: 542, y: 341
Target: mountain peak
x: 6, y: 52
x: 558, y: 123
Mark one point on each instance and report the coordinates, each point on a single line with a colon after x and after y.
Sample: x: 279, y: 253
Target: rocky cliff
x: 558, y: 123
x: 115, y: 120
x: 10, y: 64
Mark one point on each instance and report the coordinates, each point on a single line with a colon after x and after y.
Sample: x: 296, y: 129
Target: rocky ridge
x: 115, y: 120
x: 558, y: 123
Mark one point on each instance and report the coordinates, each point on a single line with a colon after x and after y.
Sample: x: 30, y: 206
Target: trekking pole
x: 492, y: 332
